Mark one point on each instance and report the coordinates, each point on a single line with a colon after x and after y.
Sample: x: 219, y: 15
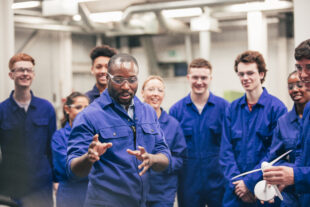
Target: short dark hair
x: 122, y: 57
x: 103, y: 50
x: 302, y: 51
x: 250, y: 56
x: 20, y: 57
x: 199, y: 63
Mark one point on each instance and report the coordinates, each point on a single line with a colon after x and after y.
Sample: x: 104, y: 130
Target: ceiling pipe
x: 153, y: 7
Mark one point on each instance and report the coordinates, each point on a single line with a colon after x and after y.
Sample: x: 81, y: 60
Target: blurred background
x: 164, y: 36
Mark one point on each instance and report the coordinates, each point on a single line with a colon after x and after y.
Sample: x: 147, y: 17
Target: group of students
x: 114, y: 150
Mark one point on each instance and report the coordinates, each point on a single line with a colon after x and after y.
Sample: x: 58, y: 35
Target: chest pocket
x: 149, y: 129
x: 149, y: 136
x: 113, y: 133
x: 40, y: 122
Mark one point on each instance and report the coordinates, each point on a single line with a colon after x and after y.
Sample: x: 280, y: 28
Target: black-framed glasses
x: 298, y: 84
x: 22, y: 70
x: 299, y: 67
x: 77, y: 107
x: 120, y: 80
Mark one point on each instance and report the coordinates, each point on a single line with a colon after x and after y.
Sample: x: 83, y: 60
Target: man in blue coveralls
x: 248, y: 128
x: 100, y: 57
x: 123, y: 126
x: 27, y: 124
x: 200, y: 114
x: 286, y: 133
x: 299, y: 174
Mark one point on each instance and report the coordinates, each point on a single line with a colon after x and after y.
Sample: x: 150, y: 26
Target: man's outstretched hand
x: 96, y: 149
x: 142, y: 155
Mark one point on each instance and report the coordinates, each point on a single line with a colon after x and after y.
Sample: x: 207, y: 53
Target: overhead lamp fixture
x: 260, y: 6
x: 105, y: 17
x: 26, y: 4
x: 77, y: 17
x: 188, y: 12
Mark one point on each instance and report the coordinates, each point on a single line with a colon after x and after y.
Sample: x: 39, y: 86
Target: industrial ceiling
x: 140, y: 17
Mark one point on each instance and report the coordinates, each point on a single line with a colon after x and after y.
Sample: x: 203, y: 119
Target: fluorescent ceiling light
x: 260, y: 6
x: 26, y: 4
x: 188, y: 12
x: 105, y: 17
x: 77, y: 17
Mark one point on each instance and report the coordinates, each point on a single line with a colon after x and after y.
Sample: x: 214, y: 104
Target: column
x: 301, y: 17
x: 7, y: 46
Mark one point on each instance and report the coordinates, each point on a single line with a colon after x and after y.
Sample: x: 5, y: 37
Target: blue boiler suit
x: 285, y: 138
x: 25, y: 139
x: 93, y: 94
x: 246, y: 138
x: 201, y: 179
x: 302, y: 163
x: 114, y: 180
x: 70, y: 192
x: 163, y: 185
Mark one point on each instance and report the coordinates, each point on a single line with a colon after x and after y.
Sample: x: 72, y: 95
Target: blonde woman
x: 163, y: 185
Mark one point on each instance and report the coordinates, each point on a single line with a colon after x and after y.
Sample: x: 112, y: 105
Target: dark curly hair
x: 103, y: 50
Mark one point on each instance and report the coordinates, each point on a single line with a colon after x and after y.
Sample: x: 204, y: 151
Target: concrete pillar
x: 62, y: 70
x: 6, y: 46
x: 301, y: 17
x: 205, y: 44
x: 257, y: 32
x: 188, y: 48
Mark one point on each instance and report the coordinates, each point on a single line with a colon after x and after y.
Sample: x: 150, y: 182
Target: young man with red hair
x: 27, y: 124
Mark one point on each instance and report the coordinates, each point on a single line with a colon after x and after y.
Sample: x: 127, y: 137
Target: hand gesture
x: 144, y: 157
x: 96, y: 149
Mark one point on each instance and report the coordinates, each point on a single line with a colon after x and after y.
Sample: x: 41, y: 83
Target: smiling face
x: 249, y: 77
x: 22, y: 74
x: 200, y: 79
x: 297, y: 90
x: 123, y: 84
x: 99, y: 70
x: 76, y: 107
x: 153, y: 93
x: 303, y: 68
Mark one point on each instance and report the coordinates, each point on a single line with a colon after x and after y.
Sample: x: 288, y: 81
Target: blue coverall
x: 70, y: 192
x: 163, y: 185
x: 246, y: 138
x: 201, y: 179
x: 114, y: 180
x: 302, y: 163
x: 93, y: 94
x: 285, y: 138
x: 25, y: 139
